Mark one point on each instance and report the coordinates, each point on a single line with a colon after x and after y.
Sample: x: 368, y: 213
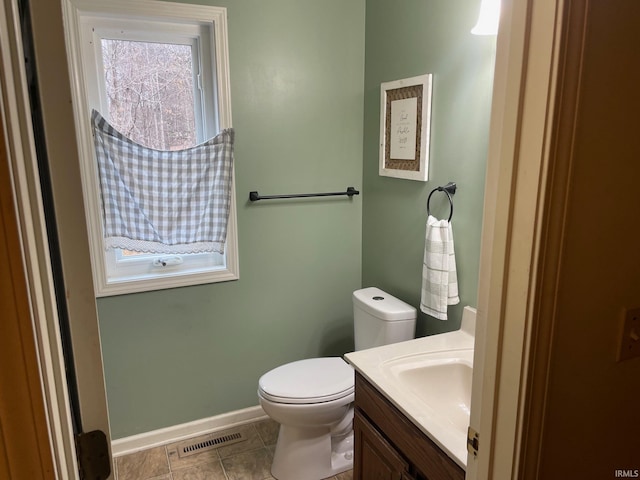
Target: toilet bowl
x: 312, y: 399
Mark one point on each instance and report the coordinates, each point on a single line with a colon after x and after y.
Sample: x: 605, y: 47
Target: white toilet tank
x: 380, y: 318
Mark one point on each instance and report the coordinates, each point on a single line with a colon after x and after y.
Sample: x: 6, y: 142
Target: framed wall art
x: 405, y: 121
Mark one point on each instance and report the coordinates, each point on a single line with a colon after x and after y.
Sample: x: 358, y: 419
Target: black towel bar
x: 255, y: 196
x: 449, y: 189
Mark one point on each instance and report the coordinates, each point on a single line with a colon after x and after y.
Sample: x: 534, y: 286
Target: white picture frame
x: 405, y: 127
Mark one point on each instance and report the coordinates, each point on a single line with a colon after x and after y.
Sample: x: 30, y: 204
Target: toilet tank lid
x: 382, y: 305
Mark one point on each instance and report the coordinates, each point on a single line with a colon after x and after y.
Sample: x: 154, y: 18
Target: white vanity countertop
x: 431, y: 422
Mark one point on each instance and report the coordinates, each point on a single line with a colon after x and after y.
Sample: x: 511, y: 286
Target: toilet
x: 312, y: 399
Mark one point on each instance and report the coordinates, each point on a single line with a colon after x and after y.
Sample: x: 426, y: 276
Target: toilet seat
x: 313, y: 380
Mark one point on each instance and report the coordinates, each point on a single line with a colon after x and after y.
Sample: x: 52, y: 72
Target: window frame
x: 176, y: 19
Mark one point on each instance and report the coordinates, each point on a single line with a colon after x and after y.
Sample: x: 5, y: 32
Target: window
x: 158, y: 72
x: 150, y: 88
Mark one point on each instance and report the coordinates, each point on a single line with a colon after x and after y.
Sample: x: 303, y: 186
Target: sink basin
x: 429, y: 380
x: 440, y: 381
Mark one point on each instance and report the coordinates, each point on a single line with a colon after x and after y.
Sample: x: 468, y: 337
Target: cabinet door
x: 375, y: 458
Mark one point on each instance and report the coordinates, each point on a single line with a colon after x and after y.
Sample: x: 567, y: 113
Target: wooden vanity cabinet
x: 388, y: 446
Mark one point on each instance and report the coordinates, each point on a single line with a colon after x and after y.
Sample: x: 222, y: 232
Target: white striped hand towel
x: 439, y: 278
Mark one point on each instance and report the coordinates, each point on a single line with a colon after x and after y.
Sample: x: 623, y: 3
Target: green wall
x: 406, y: 39
x: 173, y: 356
x: 300, y: 93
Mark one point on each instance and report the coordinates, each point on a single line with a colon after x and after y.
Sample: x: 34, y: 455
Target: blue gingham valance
x: 163, y: 201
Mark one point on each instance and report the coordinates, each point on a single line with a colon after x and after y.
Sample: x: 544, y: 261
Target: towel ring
x: 449, y: 189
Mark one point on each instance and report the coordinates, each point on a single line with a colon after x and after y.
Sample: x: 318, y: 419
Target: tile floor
x: 246, y: 460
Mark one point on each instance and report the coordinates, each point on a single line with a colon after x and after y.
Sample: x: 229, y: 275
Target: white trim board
x: 176, y: 433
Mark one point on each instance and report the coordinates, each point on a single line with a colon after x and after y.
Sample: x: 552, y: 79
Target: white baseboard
x: 176, y: 433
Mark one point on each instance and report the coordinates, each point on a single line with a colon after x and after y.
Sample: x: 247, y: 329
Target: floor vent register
x: 214, y: 442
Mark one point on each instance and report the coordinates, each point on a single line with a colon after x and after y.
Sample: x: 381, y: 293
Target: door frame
x: 515, y: 241
x: 23, y: 171
x: 23, y: 165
